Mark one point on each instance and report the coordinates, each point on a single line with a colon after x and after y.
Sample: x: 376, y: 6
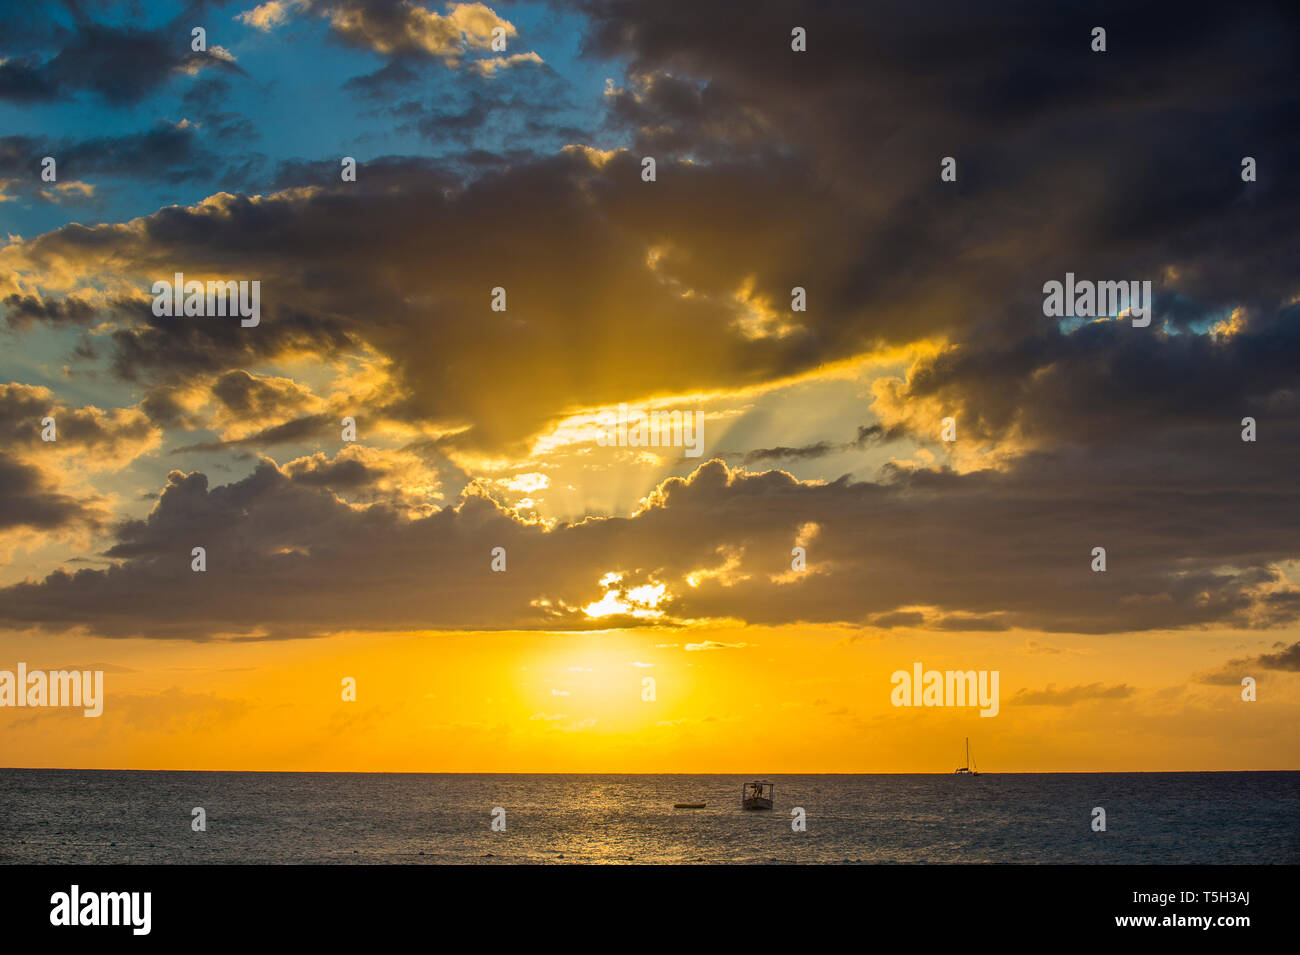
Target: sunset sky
x: 522, y: 169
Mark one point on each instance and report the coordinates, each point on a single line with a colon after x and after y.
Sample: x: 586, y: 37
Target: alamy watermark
x: 1087, y: 299
x: 656, y: 429
x: 212, y: 300
x: 84, y: 688
x: 75, y: 907
x: 946, y: 688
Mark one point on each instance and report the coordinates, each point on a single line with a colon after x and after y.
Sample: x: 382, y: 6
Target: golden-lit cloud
x: 395, y: 479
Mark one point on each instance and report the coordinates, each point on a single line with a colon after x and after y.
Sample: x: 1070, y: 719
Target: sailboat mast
x: 968, y: 752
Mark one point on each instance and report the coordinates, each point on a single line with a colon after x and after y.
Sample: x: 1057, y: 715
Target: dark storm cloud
x: 92, y: 432
x: 965, y: 622
x: 808, y: 451
x: 290, y: 432
x: 867, y: 434
x: 978, y: 548
x: 21, y: 80
x: 386, y: 82
x: 493, y: 110
x: 672, y: 115
x: 243, y: 394
x: 1108, y: 165
x: 1286, y: 659
x: 252, y: 401
x: 29, y: 499
x: 1108, y: 381
x: 341, y: 474
x: 357, y: 265
x: 21, y: 311
x: 779, y: 169
x: 902, y: 618
x: 171, y: 152
x: 167, y: 346
x: 527, y: 101
x: 205, y: 101
x: 163, y: 408
x: 121, y: 65
x: 395, y: 172
x: 852, y: 210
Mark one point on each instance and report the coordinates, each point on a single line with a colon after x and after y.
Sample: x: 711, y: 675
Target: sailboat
x: 968, y: 769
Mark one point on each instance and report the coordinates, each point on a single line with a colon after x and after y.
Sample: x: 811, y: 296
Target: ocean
x: 109, y: 816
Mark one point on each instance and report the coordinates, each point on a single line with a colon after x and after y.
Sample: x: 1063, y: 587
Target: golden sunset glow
x: 623, y: 388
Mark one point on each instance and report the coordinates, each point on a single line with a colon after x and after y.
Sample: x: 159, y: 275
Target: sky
x: 908, y: 463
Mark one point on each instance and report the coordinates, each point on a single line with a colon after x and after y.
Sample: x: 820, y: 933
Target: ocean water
x: 80, y: 816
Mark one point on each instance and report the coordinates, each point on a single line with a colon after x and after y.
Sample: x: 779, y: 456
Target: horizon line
x: 389, y: 772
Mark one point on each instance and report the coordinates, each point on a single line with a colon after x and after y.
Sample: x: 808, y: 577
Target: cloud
x: 268, y: 15
x: 1070, y: 695
x: 965, y: 622
x: 397, y: 28
x: 818, y: 450
x: 1286, y: 659
x: 899, y: 618
x: 587, y: 237
x: 1038, y: 647
x: 404, y: 27
x: 591, y: 262
x: 120, y: 65
x: 96, y: 439
x: 250, y: 404
x: 623, y: 290
x: 29, y: 499
x: 171, y: 152
x: 362, y: 475
x: 889, y: 546
x: 494, y: 65
x: 21, y: 311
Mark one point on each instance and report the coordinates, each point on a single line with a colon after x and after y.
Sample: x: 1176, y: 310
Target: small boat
x: 756, y: 795
x: 968, y: 769
x: 688, y: 805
